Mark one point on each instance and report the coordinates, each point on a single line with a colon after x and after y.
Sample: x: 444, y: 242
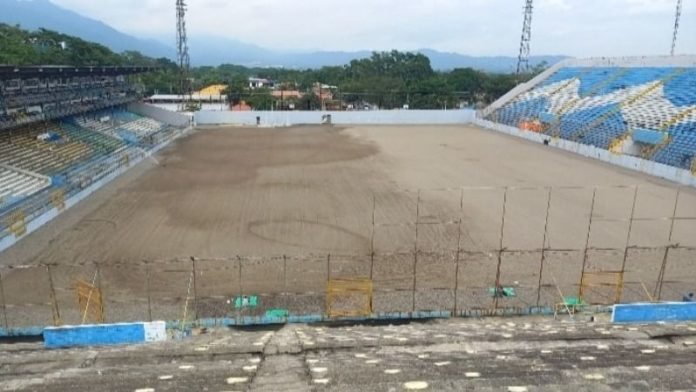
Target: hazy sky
x: 479, y: 27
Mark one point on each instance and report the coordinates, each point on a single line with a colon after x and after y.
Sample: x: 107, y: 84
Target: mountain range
x: 205, y: 50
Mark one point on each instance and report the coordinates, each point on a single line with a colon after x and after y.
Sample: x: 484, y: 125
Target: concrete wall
x: 653, y: 313
x: 166, y: 116
x: 681, y: 176
x: 104, y: 334
x: 173, y: 107
x: 277, y: 119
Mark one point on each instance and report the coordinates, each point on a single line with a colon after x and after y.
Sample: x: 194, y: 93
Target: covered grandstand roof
x: 13, y: 72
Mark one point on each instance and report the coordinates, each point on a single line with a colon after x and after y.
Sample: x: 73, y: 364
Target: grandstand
x: 61, y: 130
x: 642, y: 107
x: 41, y: 93
x: 17, y: 184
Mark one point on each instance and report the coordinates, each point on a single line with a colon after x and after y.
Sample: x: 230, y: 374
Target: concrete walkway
x: 501, y: 354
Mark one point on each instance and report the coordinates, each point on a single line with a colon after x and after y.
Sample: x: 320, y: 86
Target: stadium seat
x: 66, y: 153
x: 16, y: 185
x: 600, y: 106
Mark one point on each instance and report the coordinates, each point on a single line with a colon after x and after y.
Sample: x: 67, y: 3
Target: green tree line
x: 387, y: 79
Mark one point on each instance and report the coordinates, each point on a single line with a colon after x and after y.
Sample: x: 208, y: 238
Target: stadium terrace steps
x: 122, y: 125
x: 39, y: 159
x: 16, y: 184
x: 23, y: 148
x: 601, y: 102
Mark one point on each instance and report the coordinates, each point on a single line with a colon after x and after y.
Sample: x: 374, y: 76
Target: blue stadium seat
x: 70, y: 153
x: 600, y: 105
x: 681, y: 149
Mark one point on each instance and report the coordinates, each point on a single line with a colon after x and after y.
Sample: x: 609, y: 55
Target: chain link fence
x: 463, y: 251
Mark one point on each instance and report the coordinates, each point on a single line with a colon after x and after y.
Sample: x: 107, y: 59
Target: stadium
x: 540, y: 237
x: 432, y: 219
x: 576, y: 188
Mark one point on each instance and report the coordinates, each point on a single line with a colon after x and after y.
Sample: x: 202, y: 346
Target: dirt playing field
x: 312, y: 193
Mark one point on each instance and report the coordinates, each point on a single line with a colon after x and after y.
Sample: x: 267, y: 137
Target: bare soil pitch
x: 227, y: 192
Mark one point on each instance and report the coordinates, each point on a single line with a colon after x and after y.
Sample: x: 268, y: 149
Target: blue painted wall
x: 94, y: 335
x: 652, y: 313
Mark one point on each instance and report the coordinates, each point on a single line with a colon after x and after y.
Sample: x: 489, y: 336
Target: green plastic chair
x: 277, y: 313
x: 246, y: 301
x: 507, y: 292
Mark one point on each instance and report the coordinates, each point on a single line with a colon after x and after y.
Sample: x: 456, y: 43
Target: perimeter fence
x: 460, y: 251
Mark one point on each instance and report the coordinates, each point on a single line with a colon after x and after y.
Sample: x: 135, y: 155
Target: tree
x: 237, y: 88
x: 260, y: 99
x: 386, y: 79
x: 496, y: 85
x: 309, y: 101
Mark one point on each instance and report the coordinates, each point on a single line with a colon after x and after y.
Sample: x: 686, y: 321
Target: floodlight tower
x: 523, y: 59
x: 182, y: 54
x: 676, y: 26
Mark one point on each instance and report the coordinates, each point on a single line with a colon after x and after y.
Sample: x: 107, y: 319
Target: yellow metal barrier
x: 616, y: 145
x: 58, y: 199
x: 16, y: 222
x: 594, y: 281
x: 349, y: 298
x: 89, y: 301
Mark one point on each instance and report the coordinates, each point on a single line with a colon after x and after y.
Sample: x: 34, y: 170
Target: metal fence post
x: 657, y: 293
x: 285, y: 282
x: 195, y: 291
x: 459, y: 251
x: 415, y: 250
x: 327, y: 304
x: 628, y: 241
x: 587, y: 240
x: 372, y: 237
x: 241, y: 289
x: 328, y: 267
x: 54, y: 301
x: 500, y: 249
x: 4, y: 303
x: 148, y: 289
x: 456, y: 268
x: 543, y: 244
x: 101, y: 291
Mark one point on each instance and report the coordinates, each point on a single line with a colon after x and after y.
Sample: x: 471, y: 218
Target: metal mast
x: 676, y: 26
x: 182, y: 54
x: 523, y: 59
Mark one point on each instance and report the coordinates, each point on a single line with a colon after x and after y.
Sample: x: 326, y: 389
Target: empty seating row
x: 680, y: 151
x: 24, y: 148
x: 601, y: 106
x: 44, y: 164
x: 16, y: 185
x: 94, y: 124
x: 120, y: 124
x: 142, y: 128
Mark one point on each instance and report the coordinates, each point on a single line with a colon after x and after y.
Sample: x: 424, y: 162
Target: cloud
x: 479, y: 27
